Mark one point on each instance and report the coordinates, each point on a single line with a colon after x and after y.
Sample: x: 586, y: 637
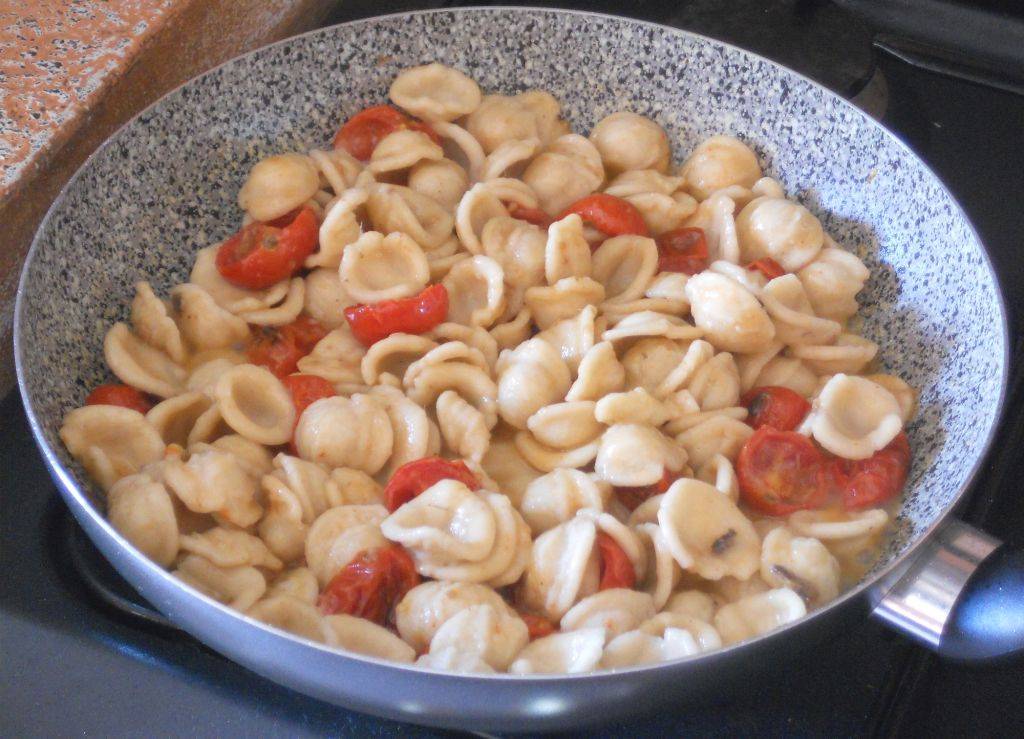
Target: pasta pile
x: 585, y: 390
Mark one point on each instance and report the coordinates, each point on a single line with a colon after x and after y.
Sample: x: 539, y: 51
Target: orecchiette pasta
x: 629, y: 141
x: 853, y: 417
x: 555, y: 498
x: 346, y: 432
x: 717, y: 163
x: 781, y: 229
x: 378, y: 267
x: 277, y: 185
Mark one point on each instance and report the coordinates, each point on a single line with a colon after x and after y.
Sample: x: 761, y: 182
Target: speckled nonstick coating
x: 165, y: 186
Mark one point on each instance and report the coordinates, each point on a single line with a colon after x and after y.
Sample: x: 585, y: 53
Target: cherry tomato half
x: 306, y: 390
x: 280, y: 349
x: 123, y: 395
x: 412, y: 478
x: 371, y: 584
x: 610, y: 215
x: 531, y: 215
x: 632, y: 497
x: 538, y: 626
x: 870, y: 482
x: 415, y: 315
x: 768, y: 267
x: 780, y: 472
x: 682, y: 250
x: 261, y: 254
x: 616, y: 569
x: 778, y: 407
x: 361, y: 133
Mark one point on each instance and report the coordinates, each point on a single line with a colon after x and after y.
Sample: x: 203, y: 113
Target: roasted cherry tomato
x: 610, y: 215
x: 616, y: 569
x: 682, y: 250
x: 362, y: 132
x: 531, y: 215
x: 371, y: 584
x: 123, y: 395
x: 261, y: 254
x: 778, y: 407
x: 870, y: 482
x: 632, y: 497
x: 768, y: 267
x: 306, y: 390
x: 780, y: 472
x: 538, y: 626
x: 415, y: 315
x: 412, y: 478
x: 280, y: 349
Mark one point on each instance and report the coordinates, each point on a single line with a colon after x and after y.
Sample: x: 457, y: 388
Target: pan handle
x: 962, y: 597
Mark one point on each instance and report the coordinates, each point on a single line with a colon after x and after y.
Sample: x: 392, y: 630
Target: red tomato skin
x: 779, y: 407
x: 361, y: 133
x: 538, y: 626
x: 768, y: 267
x: 280, y: 349
x: 632, y: 497
x: 616, y: 569
x: 781, y: 472
x: 610, y: 215
x: 371, y: 584
x: 531, y: 215
x: 306, y: 390
x: 683, y: 250
x: 261, y: 255
x: 416, y: 315
x: 124, y: 396
x: 881, y: 477
x: 412, y: 478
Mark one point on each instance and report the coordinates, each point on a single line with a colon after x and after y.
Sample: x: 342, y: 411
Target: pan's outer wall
x: 165, y: 187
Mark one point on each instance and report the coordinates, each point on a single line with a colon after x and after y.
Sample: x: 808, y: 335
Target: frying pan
x: 165, y: 186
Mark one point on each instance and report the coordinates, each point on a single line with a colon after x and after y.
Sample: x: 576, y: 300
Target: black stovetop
x: 70, y: 663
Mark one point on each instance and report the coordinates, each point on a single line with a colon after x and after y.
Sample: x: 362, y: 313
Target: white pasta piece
x: 296, y: 492
x: 731, y: 589
x: 849, y: 354
x: 636, y: 648
x: 239, y: 587
x: 905, y: 395
x: 718, y: 162
x: 825, y: 526
x: 255, y: 404
x: 832, y: 282
x: 299, y: 583
x: 566, y: 298
x: 637, y: 182
x: 471, y: 382
x: 325, y: 298
x: 450, y: 351
x: 648, y: 323
x: 599, y: 373
x: 565, y: 425
x: 706, y: 533
x: 511, y: 333
x: 493, y: 635
x: 616, y: 610
x: 635, y: 406
x: 230, y: 548
x: 360, y: 636
x: 414, y: 435
x: 152, y: 323
x: 339, y: 535
x: 394, y: 208
x: 627, y: 141
x: 555, y: 498
x: 751, y: 279
x: 731, y: 318
x: 714, y: 216
x: 356, y: 487
x: 649, y: 362
x: 393, y: 355
x: 563, y: 568
x: 346, y: 432
x: 186, y: 418
x: 751, y: 365
x: 254, y: 458
x: 111, y: 442
x: 510, y: 471
x: 426, y: 608
x: 462, y: 147
x: 401, y: 149
x: 230, y: 297
x: 795, y: 323
x: 546, y: 111
x: 663, y: 572
x: 568, y: 652
x: 573, y: 337
x: 703, y: 633
x: 694, y: 603
x: 801, y: 564
x: 284, y: 312
x: 339, y: 228
x: 214, y: 481
x: 788, y: 372
x: 452, y: 660
x: 519, y: 248
x: 472, y: 336
x: 758, y: 614
x: 566, y: 253
x: 277, y: 185
x: 631, y: 455
x: 463, y: 427
x: 204, y: 324
x: 720, y: 474
x: 476, y: 208
x: 378, y: 267
x: 508, y: 155
x: 435, y: 92
x: 530, y: 377
x: 716, y: 383
x: 781, y: 229
x: 718, y: 434
x: 476, y: 291
x: 338, y: 168
x: 546, y: 458
x: 336, y: 358
x: 292, y: 615
x: 140, y: 365
x: 568, y: 169
x: 853, y: 417
x: 501, y: 118
x: 658, y: 197
x: 142, y: 511
x: 711, y: 385
x: 625, y: 265
x: 440, y: 179
x: 689, y: 417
